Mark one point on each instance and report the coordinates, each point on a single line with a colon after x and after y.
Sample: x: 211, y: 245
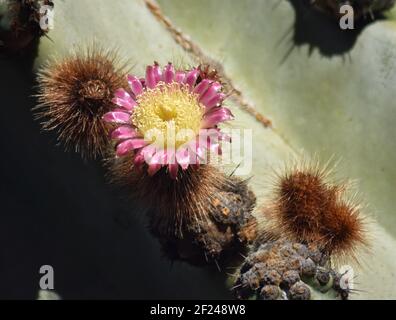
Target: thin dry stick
x: 191, y: 47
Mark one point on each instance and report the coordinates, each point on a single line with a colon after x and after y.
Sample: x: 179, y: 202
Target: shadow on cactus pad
x: 321, y: 30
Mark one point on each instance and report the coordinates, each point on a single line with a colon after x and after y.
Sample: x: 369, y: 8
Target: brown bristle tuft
x: 208, y: 72
x: 75, y: 93
x: 345, y: 229
x: 308, y: 208
x: 203, y: 208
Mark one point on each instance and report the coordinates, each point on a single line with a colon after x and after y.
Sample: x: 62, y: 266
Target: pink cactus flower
x: 168, y: 119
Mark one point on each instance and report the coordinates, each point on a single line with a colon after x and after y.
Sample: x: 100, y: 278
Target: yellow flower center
x: 169, y: 114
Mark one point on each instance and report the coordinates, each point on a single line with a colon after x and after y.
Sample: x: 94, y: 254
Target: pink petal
x: 191, y: 77
x: 159, y: 157
x: 169, y: 73
x: 202, y: 87
x: 139, y: 158
x: 212, y: 144
x: 123, y: 133
x: 153, y: 169
x: 195, y: 152
x: 225, y: 137
x: 117, y: 117
x: 151, y: 81
x: 148, y: 152
x: 173, y: 168
x: 123, y: 99
x: 210, y: 141
x: 123, y: 110
x: 196, y: 162
x: 217, y: 115
x: 183, y: 158
x: 210, y: 93
x: 126, y: 146
x: 179, y: 76
x: 211, y: 132
x: 215, y: 101
x: 157, y: 72
x: 200, y: 150
x: 135, y: 84
x: 122, y: 94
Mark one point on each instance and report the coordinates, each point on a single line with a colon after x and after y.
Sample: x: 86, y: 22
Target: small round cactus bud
x: 343, y: 290
x: 272, y: 277
x: 289, y: 278
x: 301, y: 249
x: 308, y: 268
x: 251, y: 280
x: 315, y: 255
x: 299, y: 291
x: 295, y: 263
x: 287, y: 250
x: 270, y: 292
x: 323, y: 276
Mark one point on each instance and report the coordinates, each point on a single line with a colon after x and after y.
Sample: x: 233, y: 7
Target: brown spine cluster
x: 202, y: 215
x: 206, y: 71
x: 308, y: 208
x: 75, y: 93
